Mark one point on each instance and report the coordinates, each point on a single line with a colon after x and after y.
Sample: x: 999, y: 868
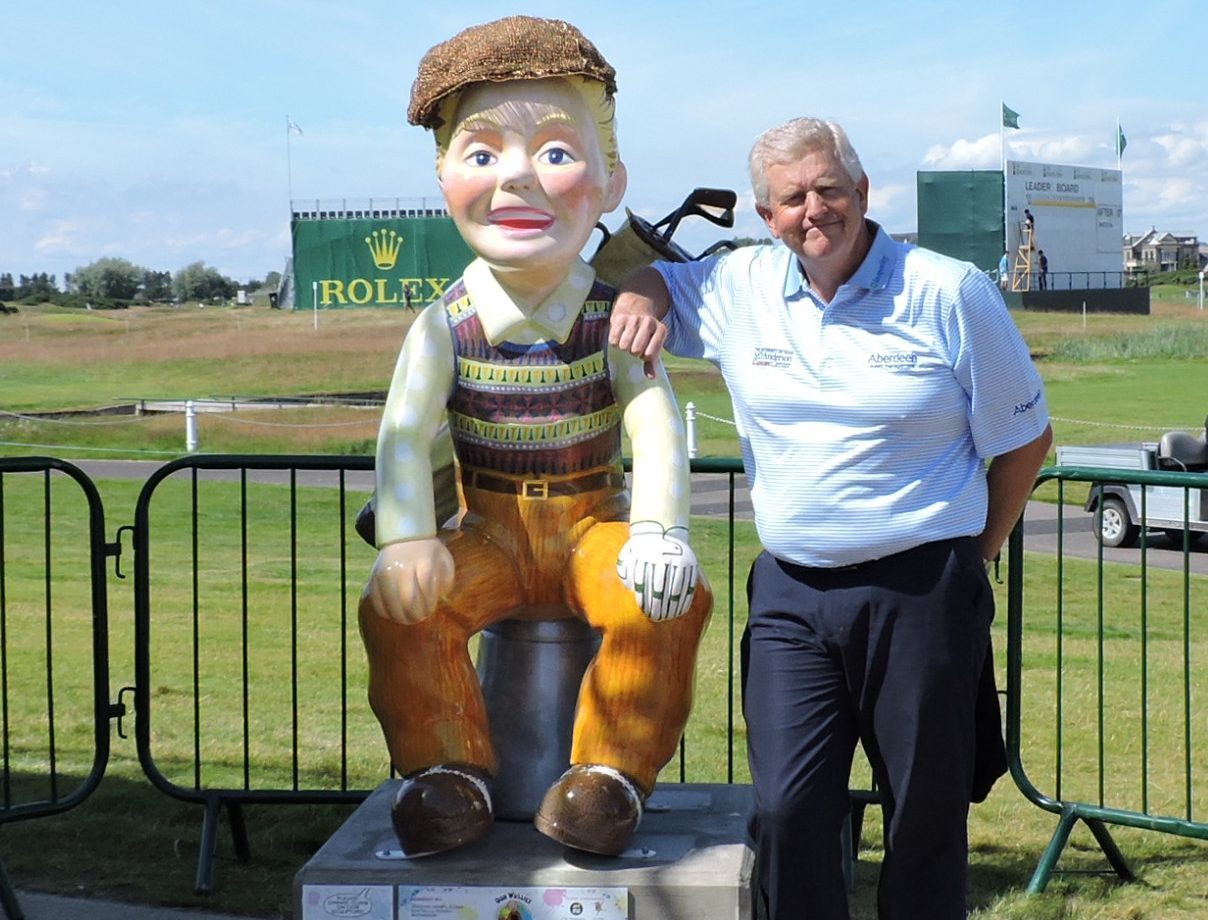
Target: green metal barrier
x: 1104, y: 675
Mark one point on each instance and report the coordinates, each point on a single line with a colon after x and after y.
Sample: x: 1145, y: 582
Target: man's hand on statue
x: 639, y: 334
x: 409, y: 579
x: 659, y: 568
x: 635, y: 323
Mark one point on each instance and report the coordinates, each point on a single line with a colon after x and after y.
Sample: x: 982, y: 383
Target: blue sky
x: 156, y: 131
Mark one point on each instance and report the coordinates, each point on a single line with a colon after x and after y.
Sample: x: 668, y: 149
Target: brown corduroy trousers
x: 518, y: 556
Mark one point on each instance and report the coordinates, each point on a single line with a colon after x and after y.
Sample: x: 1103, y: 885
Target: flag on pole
x: 291, y: 127
x: 1121, y: 141
x: 1010, y: 118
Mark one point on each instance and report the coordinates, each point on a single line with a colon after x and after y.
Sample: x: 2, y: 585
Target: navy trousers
x: 888, y: 653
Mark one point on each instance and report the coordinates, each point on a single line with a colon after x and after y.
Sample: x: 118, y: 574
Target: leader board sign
x: 1078, y: 221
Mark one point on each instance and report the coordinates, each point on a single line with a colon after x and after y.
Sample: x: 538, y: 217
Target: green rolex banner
x: 393, y: 262
x: 1121, y: 141
x: 1010, y: 118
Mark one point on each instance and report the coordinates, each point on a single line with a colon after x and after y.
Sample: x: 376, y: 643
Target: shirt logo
x: 772, y: 357
x: 893, y: 359
x: 1021, y: 408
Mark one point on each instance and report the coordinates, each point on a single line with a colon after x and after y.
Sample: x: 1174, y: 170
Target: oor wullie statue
x: 517, y: 353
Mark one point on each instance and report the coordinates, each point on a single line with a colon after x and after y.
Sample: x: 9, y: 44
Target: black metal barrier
x: 1105, y: 675
x: 250, y: 676
x: 54, y: 655
x: 247, y: 576
x: 249, y: 682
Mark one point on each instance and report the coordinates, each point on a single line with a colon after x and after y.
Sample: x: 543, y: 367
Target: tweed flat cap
x: 513, y: 48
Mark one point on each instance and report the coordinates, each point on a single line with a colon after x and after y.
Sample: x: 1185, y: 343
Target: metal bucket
x: 530, y: 672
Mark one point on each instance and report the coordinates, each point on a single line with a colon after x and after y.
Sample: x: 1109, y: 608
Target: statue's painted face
x: 524, y: 177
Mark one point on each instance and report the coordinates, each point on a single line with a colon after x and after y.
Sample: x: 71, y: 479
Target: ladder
x: 1021, y: 271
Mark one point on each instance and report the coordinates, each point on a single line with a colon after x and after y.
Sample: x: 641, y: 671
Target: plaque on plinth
x: 689, y: 859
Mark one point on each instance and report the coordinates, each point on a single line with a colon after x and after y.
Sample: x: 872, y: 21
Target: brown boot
x: 593, y: 808
x: 440, y: 808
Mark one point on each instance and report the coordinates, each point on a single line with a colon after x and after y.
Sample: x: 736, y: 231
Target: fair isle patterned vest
x: 534, y: 410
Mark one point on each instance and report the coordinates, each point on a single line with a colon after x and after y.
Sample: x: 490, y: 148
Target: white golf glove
x: 659, y: 568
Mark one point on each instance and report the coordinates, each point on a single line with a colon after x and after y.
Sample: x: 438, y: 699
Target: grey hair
x: 794, y: 139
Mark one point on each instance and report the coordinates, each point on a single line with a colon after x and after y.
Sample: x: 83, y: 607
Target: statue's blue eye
x: 557, y: 156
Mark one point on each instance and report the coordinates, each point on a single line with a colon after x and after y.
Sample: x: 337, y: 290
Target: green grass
x: 1116, y: 378
x: 56, y: 360
x: 1119, y: 378
x: 1168, y: 342
x: 1181, y: 294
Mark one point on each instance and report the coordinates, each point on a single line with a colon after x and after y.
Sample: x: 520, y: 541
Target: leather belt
x: 544, y: 488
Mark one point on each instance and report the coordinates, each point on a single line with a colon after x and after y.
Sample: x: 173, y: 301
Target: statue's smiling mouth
x: 520, y: 219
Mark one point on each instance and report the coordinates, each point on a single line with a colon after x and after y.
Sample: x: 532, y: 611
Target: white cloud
x: 61, y: 238
x: 31, y: 199
x: 1062, y: 148
x: 1185, y: 145
x: 982, y: 153
x: 893, y: 197
x: 238, y: 239
x: 986, y: 152
x: 27, y: 184
x: 1168, y: 200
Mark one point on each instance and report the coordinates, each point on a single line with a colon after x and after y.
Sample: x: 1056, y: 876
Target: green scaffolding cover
x: 961, y: 215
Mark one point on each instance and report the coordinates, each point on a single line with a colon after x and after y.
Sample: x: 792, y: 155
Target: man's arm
x: 1009, y: 480
x: 637, y: 313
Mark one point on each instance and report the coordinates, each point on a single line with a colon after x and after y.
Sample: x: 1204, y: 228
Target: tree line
x: 115, y: 282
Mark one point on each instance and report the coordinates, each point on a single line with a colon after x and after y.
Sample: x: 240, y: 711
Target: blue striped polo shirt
x: 865, y: 424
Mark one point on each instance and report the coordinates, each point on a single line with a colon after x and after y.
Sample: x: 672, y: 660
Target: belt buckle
x: 535, y: 488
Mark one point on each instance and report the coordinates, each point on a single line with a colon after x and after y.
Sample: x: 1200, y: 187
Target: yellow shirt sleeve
x: 651, y: 418
x: 419, y: 390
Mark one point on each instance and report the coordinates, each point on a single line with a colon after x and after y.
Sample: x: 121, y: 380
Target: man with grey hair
x: 891, y: 424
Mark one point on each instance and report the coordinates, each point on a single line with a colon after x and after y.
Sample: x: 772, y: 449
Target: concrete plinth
x: 689, y: 860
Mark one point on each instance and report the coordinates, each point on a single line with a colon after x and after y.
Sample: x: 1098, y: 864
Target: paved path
x: 1040, y: 531
x: 37, y: 906
x: 711, y: 496
x: 710, y: 491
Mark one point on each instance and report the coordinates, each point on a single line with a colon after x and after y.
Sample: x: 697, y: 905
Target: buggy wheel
x: 1113, y: 526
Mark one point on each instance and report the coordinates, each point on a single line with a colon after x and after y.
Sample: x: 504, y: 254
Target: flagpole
x: 1120, y: 170
x: 1002, y: 138
x: 1002, y: 165
x: 289, y: 165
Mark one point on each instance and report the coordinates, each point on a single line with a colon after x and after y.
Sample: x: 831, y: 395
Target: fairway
x: 1116, y: 378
